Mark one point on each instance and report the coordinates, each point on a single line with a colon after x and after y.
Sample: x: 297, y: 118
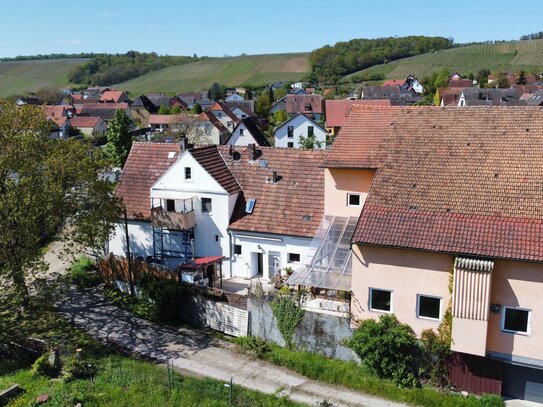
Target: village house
x: 450, y: 214
x: 309, y: 105
x: 288, y: 134
x: 89, y: 126
x: 224, y: 114
x: 170, y: 122
x: 245, y: 133
x: 338, y: 110
x: 211, y: 128
x: 114, y: 96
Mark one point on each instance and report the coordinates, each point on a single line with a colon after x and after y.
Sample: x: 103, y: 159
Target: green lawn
x: 507, y: 56
x: 254, y: 70
x: 21, y: 77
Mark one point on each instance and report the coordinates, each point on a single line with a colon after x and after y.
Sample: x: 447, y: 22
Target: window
x: 170, y: 205
x: 188, y: 173
x: 206, y: 205
x: 293, y: 257
x: 516, y: 320
x: 241, y: 132
x: 290, y: 131
x: 237, y: 249
x: 353, y: 199
x: 243, y: 116
x: 310, y: 130
x: 290, y: 145
x: 380, y: 300
x: 228, y: 124
x: 428, y: 307
x: 219, y: 115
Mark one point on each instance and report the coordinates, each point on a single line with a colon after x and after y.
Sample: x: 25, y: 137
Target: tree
x: 482, y: 77
x: 280, y: 116
x: 164, y: 110
x: 119, y: 140
x: 45, y: 183
x: 279, y: 93
x: 196, y: 108
x: 176, y: 109
x: 501, y: 80
x: 309, y: 143
x: 248, y: 94
x: 262, y: 105
x: 271, y: 95
x: 216, y: 92
x: 521, y: 80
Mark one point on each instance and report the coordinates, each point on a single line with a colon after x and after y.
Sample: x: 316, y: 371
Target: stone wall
x: 318, y: 332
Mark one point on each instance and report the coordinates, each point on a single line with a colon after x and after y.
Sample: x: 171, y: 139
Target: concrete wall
x: 320, y: 333
x: 140, y: 235
x: 338, y: 183
x: 406, y: 273
x: 300, y: 124
x: 245, y: 265
x: 517, y: 284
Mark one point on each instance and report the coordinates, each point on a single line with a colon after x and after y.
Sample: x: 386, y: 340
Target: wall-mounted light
x: 495, y: 308
x: 259, y: 247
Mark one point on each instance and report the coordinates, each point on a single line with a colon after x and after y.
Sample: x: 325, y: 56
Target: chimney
x: 274, y: 177
x: 231, y: 150
x: 183, y: 144
x: 252, y: 151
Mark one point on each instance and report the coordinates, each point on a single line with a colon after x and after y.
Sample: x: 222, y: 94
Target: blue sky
x: 230, y: 27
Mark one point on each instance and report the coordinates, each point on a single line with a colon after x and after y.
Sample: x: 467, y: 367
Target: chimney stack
x: 274, y: 177
x: 252, y: 151
x: 183, y: 144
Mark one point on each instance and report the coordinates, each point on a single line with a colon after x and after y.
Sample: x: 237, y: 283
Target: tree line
x: 108, y: 69
x: 329, y: 63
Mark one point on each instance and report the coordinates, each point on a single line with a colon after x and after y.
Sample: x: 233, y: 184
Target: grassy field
x: 22, y: 77
x: 252, y: 70
x: 507, y: 56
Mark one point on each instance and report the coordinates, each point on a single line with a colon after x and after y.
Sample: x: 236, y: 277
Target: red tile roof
x: 394, y: 82
x: 169, y: 118
x: 84, y: 121
x: 212, y: 161
x: 460, y: 83
x: 337, y: 110
x: 112, y: 96
x: 300, y: 104
x: 465, y: 181
x: 210, y: 117
x: 280, y: 208
x: 145, y: 165
x: 219, y: 106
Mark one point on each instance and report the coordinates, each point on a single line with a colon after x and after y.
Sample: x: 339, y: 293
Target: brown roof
x: 465, y: 181
x: 306, y: 104
x: 460, y: 83
x: 219, y: 106
x: 56, y: 111
x: 450, y: 96
x: 112, y: 96
x: 210, y: 117
x: 169, y: 118
x: 209, y: 158
x: 145, y: 165
x: 394, y: 82
x: 280, y: 208
x: 84, y: 121
x: 337, y: 110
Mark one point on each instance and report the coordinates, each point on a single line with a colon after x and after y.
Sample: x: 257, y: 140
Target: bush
x: 42, y: 367
x: 388, y: 348
x: 288, y: 316
x: 491, y: 400
x: 83, y: 273
x: 435, y: 352
x: 76, y: 367
x: 252, y: 345
x: 167, y: 297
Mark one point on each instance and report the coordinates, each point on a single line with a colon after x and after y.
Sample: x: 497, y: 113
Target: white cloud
x: 71, y: 42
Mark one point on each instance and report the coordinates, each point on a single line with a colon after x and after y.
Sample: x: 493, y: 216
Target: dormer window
x: 308, y: 107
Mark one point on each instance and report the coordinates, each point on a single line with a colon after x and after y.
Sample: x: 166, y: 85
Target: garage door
x: 523, y: 383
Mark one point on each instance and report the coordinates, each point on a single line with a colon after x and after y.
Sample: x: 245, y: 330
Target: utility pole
x: 130, y: 276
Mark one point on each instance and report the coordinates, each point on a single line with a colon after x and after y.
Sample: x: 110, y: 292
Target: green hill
x: 505, y: 56
x: 21, y: 77
x: 251, y: 70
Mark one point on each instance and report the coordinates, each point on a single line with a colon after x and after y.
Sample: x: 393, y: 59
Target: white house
x: 288, y: 133
x: 246, y: 132
x: 224, y: 114
x: 211, y: 127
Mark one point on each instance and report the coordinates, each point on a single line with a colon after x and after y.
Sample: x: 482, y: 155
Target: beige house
x: 89, y: 126
x: 451, y: 220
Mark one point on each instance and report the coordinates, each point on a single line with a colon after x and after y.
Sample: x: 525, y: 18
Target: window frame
x: 210, y: 204
x: 310, y: 131
x: 370, y: 301
x: 440, y: 307
x: 289, y: 259
x: 168, y: 203
x: 349, y: 195
x: 290, y: 144
x: 236, y: 251
x: 189, y: 178
x: 528, y: 322
x: 290, y: 131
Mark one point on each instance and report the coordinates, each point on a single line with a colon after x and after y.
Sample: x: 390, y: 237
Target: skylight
x: 263, y: 163
x: 250, y: 206
x: 171, y: 154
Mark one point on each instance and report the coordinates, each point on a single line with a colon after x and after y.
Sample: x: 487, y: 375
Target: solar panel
x: 250, y: 205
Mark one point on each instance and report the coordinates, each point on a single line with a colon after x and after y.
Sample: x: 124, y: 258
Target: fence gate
x: 237, y: 321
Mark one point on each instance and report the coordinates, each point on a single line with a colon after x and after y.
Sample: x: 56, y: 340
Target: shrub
x: 288, y: 316
x: 435, y: 352
x: 83, y: 273
x: 167, y: 297
x: 491, y: 400
x: 252, y: 345
x: 42, y: 367
x: 388, y: 348
x: 76, y: 367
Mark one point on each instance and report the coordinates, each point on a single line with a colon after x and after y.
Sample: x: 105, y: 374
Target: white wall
x: 209, y: 226
x: 241, y: 137
x: 140, y: 235
x: 301, y: 124
x: 244, y: 265
x: 213, y: 133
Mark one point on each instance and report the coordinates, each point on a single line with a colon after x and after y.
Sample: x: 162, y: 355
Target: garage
x: 523, y: 383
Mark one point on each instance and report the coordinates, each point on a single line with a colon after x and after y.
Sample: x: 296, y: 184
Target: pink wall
x: 405, y: 272
x: 338, y: 182
x: 517, y: 284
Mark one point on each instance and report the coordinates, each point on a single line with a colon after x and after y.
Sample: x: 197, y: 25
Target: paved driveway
x: 198, y: 354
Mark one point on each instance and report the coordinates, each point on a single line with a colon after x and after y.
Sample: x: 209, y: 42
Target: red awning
x: 201, y: 261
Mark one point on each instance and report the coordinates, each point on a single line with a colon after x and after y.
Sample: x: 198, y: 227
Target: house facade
x: 450, y: 223
x: 288, y: 133
x: 245, y: 133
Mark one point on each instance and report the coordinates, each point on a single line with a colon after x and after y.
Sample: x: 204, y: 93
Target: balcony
x: 172, y: 220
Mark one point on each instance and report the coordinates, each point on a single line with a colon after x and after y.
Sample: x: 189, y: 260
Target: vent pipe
x: 183, y: 144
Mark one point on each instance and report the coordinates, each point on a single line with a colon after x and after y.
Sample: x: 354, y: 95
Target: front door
x: 274, y: 264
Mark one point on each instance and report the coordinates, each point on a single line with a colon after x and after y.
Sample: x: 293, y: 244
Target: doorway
x: 257, y: 267
x: 274, y: 266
